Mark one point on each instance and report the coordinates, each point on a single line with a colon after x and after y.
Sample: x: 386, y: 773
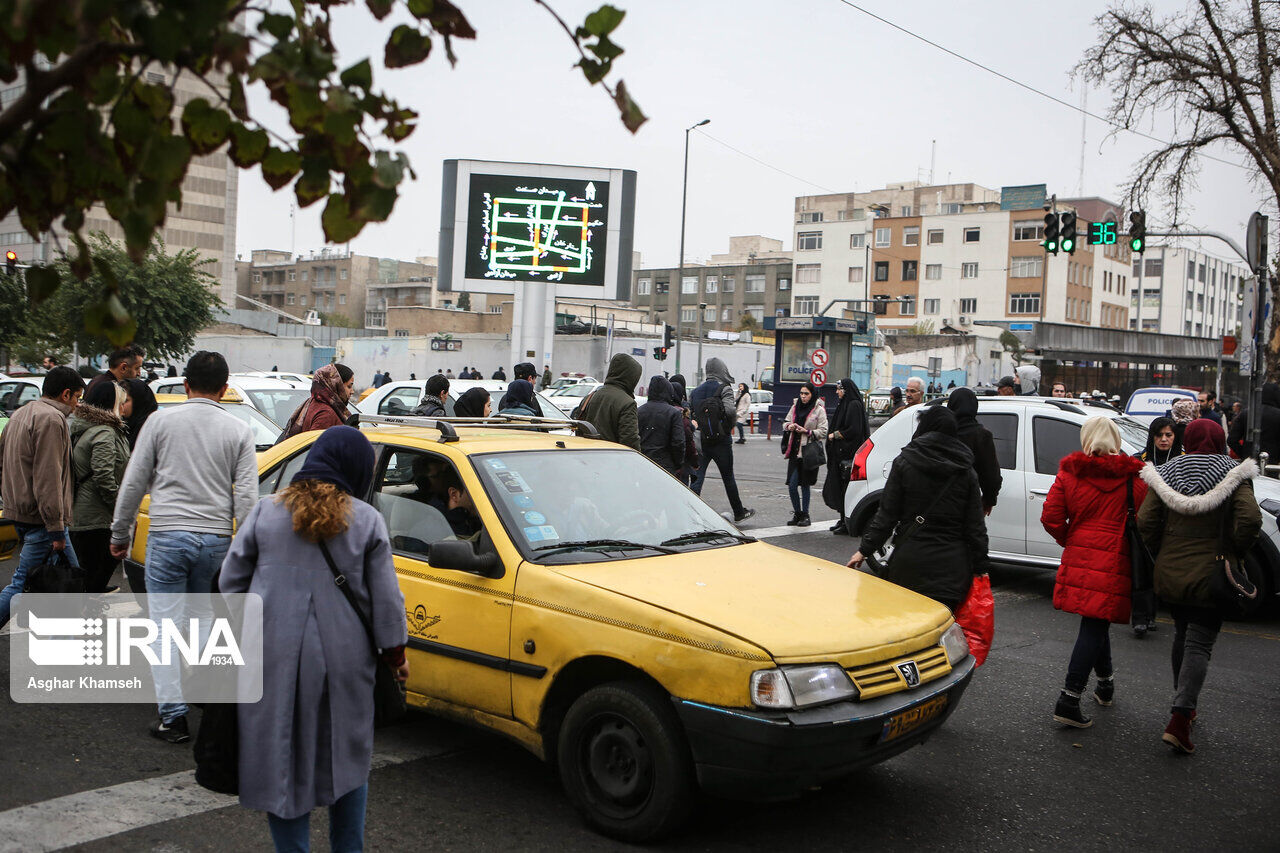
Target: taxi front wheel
x: 624, y: 762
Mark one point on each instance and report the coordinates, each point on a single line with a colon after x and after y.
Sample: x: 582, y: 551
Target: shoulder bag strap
x: 1129, y: 487
x: 340, y: 580
x: 920, y: 519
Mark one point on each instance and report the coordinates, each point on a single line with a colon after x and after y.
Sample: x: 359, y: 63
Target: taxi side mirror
x: 460, y: 555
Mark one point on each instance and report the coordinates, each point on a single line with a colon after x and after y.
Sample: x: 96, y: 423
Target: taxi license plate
x: 913, y: 718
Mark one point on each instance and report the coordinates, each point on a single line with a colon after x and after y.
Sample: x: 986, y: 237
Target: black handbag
x: 217, y: 748
x: 1141, y: 568
x: 388, y: 692
x: 1233, y: 593
x: 56, y: 575
x: 812, y: 457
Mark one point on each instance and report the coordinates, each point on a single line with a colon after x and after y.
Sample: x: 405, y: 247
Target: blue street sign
x: 1020, y: 327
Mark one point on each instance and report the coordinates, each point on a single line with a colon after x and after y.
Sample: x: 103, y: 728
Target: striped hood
x: 1198, y: 483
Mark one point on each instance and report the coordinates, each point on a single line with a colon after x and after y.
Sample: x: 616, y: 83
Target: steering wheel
x: 635, y: 521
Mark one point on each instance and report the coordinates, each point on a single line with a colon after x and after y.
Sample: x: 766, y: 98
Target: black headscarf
x: 144, y: 405
x: 936, y: 419
x: 341, y: 456
x: 1156, y: 457
x: 471, y: 403
x: 851, y: 415
x: 519, y: 392
x: 964, y: 404
x: 803, y: 409
x: 681, y: 388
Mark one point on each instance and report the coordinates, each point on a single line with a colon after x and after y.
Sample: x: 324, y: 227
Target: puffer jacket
x: 430, y: 407
x: 611, y: 408
x: 99, y: 455
x: 661, y: 426
x: 1190, y: 501
x: 1085, y: 513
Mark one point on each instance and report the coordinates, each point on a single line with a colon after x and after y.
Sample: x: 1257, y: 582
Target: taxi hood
x: 795, y: 607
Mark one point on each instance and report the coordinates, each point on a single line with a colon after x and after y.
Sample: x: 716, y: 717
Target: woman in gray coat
x: 309, y: 741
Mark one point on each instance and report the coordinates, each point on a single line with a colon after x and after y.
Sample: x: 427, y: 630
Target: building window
x: 1028, y: 230
x: 813, y: 216
x: 969, y: 270
x: 808, y: 273
x: 857, y: 241
x: 1201, y: 276
x: 754, y: 284
x: 855, y: 275
x: 968, y: 306
x: 882, y: 271
x: 808, y: 241
x: 727, y: 285
x: 689, y: 284
x: 342, y: 273
x: 709, y: 315
x: 932, y: 306
x: 907, y: 306
x: 934, y: 237
x: 806, y: 306
x: 1155, y: 267
x: 288, y: 299
x: 644, y: 286
x: 495, y: 309
x: 257, y: 277
x: 726, y: 315
x: 342, y: 299
x: 1024, y: 303
x: 1191, y: 269
x: 1029, y: 267
x: 302, y: 300
x: 713, y: 283
x: 909, y: 270
x: 293, y: 276
x: 757, y: 313
x: 304, y: 275
x: 784, y: 284
x: 905, y: 210
x: 688, y: 315
x: 911, y: 235
x: 883, y: 236
x: 972, y: 235
x: 933, y: 272
x: 951, y: 208
x: 402, y: 333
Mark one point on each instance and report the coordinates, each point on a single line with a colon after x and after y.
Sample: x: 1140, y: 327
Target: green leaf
x: 81, y: 264
x: 205, y: 126
x: 603, y: 21
x: 420, y: 8
x: 388, y: 171
x: 359, y: 74
x: 406, y: 46
x: 279, y: 167
x: 592, y: 70
x: 379, y: 8
x: 247, y: 145
x: 313, y: 185
x: 279, y: 26
x: 340, y: 225
x: 631, y: 115
x: 41, y: 283
x: 236, y: 99
x: 110, y: 319
x: 605, y: 49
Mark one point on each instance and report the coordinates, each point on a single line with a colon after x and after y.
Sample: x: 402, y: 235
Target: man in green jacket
x: 611, y: 408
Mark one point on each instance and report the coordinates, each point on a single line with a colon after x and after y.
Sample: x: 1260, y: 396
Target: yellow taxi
x: 602, y: 615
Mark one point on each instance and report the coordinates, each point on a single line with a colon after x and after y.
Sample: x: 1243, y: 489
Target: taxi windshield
x: 579, y: 505
x: 278, y: 404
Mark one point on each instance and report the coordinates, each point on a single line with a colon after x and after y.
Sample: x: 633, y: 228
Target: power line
x: 1028, y: 86
x: 763, y: 163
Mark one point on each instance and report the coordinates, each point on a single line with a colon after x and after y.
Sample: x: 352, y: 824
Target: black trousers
x: 93, y: 548
x: 721, y: 453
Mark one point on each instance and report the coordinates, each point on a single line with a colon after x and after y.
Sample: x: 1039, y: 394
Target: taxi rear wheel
x: 624, y: 763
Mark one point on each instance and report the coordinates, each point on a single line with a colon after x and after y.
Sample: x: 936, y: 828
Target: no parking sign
x: 818, y: 378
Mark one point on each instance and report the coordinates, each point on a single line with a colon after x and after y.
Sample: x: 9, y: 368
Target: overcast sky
x: 811, y: 87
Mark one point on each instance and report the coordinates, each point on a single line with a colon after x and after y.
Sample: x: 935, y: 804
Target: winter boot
x: 1105, y: 690
x: 1178, y: 733
x: 803, y: 521
x: 1068, y: 712
x: 795, y: 519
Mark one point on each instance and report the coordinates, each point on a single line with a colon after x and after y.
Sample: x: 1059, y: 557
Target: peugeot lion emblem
x: 910, y: 672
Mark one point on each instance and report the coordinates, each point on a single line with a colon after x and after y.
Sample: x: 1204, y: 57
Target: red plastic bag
x: 977, y: 616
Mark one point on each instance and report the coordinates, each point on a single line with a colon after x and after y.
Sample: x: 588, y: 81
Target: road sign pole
x: 1256, y: 255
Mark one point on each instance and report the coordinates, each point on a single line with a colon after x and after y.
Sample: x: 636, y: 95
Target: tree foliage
x: 333, y: 318
x: 93, y: 126
x: 464, y: 301
x: 1013, y: 345
x: 165, y: 301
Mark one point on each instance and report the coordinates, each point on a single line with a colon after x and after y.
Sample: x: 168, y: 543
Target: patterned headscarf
x: 1184, y: 411
x: 328, y: 388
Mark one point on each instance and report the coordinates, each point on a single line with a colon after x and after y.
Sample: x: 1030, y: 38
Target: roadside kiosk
x: 823, y: 350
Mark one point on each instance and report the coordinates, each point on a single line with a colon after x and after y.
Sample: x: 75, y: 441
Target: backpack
x: 710, y: 415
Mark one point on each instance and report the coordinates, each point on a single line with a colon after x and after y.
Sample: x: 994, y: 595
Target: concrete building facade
x: 1188, y: 292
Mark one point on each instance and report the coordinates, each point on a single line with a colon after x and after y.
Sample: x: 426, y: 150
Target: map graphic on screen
x: 537, y: 229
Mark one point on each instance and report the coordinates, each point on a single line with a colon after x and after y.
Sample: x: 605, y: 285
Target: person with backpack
x: 715, y: 413
x: 662, y: 427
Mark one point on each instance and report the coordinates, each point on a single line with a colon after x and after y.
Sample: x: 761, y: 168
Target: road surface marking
x: 786, y: 530
x: 103, y: 812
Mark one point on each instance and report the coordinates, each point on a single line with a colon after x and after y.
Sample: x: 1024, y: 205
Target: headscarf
x: 1150, y: 453
x: 1184, y: 411
x: 144, y: 405
x: 850, y: 413
x: 963, y: 403
x: 519, y: 392
x: 895, y: 396
x: 101, y: 396
x: 328, y: 388
x: 803, y: 409
x: 471, y: 403
x: 1204, y: 436
x: 681, y: 387
x: 936, y: 419
x: 341, y: 456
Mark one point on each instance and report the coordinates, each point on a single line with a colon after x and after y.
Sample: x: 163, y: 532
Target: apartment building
x: 334, y: 281
x: 753, y: 279
x: 952, y: 256
x: 1188, y: 292
x: 205, y: 222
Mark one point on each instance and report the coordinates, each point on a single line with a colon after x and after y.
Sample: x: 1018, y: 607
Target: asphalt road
x: 999, y: 776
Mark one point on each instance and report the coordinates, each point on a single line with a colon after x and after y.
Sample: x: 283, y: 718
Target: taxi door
x: 1047, y: 442
x: 459, y: 622
x: 1006, y: 526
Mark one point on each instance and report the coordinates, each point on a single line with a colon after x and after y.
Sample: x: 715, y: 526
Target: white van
x: 1147, y: 404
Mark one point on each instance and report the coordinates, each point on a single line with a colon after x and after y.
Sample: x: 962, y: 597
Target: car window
x: 1053, y: 439
x: 401, y: 401
x: 1004, y: 430
x: 279, y: 476
x: 171, y: 388
x: 278, y: 404
x: 264, y: 431
x: 415, y: 497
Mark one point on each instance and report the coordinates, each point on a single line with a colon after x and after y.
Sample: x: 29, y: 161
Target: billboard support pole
x: 533, y: 323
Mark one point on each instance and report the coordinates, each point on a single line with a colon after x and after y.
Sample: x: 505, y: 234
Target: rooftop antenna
x: 1084, y: 126
x: 933, y: 159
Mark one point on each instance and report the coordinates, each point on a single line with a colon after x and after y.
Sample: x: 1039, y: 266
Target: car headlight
x: 955, y: 644
x: 800, y: 686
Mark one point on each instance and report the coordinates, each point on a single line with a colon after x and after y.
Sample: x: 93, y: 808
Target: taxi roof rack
x: 448, y: 433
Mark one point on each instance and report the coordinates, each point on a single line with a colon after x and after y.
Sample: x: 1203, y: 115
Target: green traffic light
x: 1068, y: 245
x: 1136, y: 244
x: 1050, y: 246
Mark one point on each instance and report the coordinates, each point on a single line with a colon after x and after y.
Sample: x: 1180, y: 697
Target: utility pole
x: 684, y: 199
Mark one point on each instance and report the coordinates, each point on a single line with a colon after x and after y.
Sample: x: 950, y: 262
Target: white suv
x: 1032, y: 435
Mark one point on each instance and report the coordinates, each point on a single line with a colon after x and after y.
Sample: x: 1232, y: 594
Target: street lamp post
x: 684, y: 198
x: 702, y: 309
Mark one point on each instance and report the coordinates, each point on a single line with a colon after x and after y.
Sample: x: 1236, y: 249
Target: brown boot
x: 1178, y: 733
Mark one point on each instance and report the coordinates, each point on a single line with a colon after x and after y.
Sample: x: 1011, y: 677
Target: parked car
x: 16, y: 392
x: 567, y: 398
x: 645, y: 647
x: 275, y: 398
x: 297, y: 380
x: 265, y: 431
x: 880, y: 403
x: 400, y: 397
x: 566, y: 381
x: 1147, y: 404
x: 1032, y: 435
x: 760, y: 402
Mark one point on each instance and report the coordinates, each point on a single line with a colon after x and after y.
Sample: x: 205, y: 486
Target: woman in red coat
x: 331, y: 388
x: 1085, y: 513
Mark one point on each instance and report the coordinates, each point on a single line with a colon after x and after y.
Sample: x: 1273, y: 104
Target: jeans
x: 721, y: 453
x: 1092, y: 652
x: 1195, y: 629
x: 742, y: 434
x: 37, y: 545
x: 93, y: 547
x: 799, y: 493
x: 180, y: 562
x: 346, y: 826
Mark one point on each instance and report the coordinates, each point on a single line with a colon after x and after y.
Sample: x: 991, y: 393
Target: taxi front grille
x: 881, y: 679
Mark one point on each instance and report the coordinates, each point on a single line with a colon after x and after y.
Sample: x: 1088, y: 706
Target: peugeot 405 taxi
x: 602, y: 615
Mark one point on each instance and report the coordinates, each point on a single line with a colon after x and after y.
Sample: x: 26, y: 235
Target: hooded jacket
x: 1085, y: 513
x: 430, y: 407
x: 661, y: 426
x: 1239, y: 439
x: 718, y: 381
x: 611, y: 408
x: 964, y: 403
x: 1192, y: 500
x: 99, y: 456
x: 932, y: 477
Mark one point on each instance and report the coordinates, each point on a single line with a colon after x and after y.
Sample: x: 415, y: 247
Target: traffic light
x: 10, y: 262
x: 1051, y: 233
x: 1068, y: 239
x: 1138, y: 231
x: 660, y: 353
x: 668, y: 338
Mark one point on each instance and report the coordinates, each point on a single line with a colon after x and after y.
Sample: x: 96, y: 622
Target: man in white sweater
x: 198, y: 463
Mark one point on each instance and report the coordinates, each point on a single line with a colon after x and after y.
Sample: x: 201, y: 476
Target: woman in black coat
x: 932, y: 478
x: 964, y: 405
x: 847, y: 431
